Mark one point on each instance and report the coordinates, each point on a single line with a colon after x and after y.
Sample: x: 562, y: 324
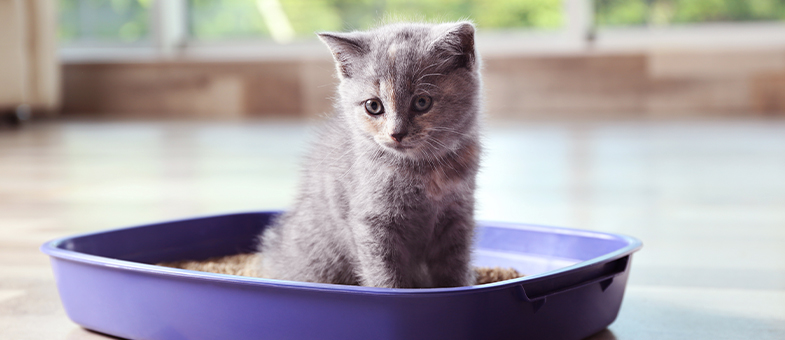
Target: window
x: 104, y: 21
x: 168, y: 27
x: 286, y: 19
x: 667, y: 12
x: 228, y: 19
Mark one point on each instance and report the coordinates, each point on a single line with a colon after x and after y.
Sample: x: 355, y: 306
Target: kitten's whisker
x: 440, y: 64
x: 438, y: 142
x: 428, y: 75
x: 446, y: 162
x: 425, y: 91
x: 420, y: 89
x: 435, y: 163
x: 428, y: 67
x: 449, y: 130
x: 435, y: 157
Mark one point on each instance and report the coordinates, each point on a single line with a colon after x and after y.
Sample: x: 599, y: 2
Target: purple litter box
x: 108, y: 284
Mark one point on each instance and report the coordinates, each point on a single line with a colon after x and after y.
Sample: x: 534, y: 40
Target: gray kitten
x: 387, y: 195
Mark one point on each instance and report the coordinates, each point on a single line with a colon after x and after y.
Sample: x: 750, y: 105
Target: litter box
x: 108, y: 283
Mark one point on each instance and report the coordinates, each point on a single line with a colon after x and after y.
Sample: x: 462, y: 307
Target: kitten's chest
x: 421, y: 187
x: 418, y: 185
x: 441, y: 184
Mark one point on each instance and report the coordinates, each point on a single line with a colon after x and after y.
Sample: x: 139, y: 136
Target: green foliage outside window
x: 665, y: 12
x: 124, y: 21
x: 128, y: 21
x: 222, y: 19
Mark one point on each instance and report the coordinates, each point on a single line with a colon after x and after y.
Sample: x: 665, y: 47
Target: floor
x: 706, y: 197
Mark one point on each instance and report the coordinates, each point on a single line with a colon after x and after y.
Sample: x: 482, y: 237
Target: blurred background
x: 660, y: 119
x: 244, y: 58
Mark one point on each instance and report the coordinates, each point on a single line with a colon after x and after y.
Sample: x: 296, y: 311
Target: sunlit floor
x: 706, y: 197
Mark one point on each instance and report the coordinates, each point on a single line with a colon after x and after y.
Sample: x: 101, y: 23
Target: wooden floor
x: 706, y: 197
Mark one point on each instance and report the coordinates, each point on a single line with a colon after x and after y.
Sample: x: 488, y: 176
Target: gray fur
x: 370, y: 210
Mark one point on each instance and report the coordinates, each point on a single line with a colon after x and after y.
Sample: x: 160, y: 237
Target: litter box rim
x: 56, y: 248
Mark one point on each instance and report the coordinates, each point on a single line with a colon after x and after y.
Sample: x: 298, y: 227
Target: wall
x: 29, y: 72
x: 12, y: 55
x: 190, y: 88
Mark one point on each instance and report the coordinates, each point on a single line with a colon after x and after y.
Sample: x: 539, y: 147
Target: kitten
x: 387, y: 195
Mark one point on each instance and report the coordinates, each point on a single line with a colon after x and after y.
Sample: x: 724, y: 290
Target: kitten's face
x: 413, y: 89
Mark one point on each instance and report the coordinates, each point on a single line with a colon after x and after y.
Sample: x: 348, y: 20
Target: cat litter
x: 249, y: 265
x: 109, y: 283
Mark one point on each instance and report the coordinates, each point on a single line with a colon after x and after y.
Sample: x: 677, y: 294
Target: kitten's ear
x: 346, y: 49
x: 456, y: 41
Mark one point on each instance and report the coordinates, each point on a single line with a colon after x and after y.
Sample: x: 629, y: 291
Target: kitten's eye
x: 374, y: 107
x: 422, y: 103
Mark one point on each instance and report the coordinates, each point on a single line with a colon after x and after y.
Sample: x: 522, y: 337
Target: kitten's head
x: 411, y: 88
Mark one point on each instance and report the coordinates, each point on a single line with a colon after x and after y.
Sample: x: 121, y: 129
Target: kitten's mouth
x: 399, y: 147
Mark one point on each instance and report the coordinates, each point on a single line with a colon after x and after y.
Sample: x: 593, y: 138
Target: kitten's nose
x: 398, y: 137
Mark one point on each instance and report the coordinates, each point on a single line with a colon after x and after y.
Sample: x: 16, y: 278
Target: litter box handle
x: 538, y: 290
